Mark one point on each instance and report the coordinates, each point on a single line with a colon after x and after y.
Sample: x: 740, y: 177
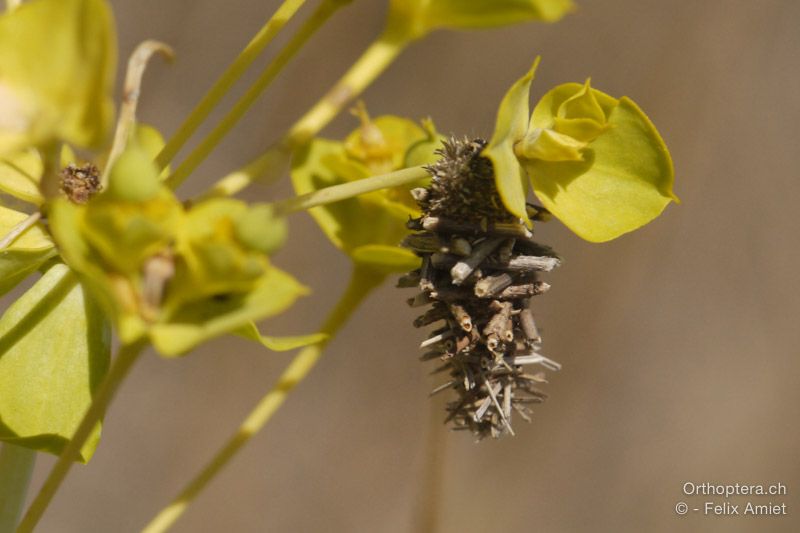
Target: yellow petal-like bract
x: 596, y: 162
x: 56, y: 74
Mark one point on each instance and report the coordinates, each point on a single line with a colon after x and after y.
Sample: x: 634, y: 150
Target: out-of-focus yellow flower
x: 56, y: 74
x: 368, y: 227
x: 179, y: 275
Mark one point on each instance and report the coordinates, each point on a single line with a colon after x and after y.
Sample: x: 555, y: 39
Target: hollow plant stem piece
x: 344, y: 191
x: 231, y: 75
x: 124, y: 361
x: 375, y: 59
x: 207, y: 145
x: 16, y: 466
x: 362, y: 282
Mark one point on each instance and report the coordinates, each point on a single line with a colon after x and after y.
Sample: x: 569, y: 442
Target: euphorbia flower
x: 56, y: 74
x: 596, y: 162
x: 177, y: 275
x: 368, y: 227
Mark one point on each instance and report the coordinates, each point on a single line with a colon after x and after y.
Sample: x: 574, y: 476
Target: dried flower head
x: 479, y: 270
x: 80, y: 183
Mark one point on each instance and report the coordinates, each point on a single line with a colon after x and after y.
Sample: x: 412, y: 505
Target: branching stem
x: 350, y: 189
x: 207, y: 145
x: 231, y: 75
x: 273, y: 164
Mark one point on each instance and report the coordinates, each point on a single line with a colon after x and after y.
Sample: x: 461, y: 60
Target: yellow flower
x: 596, y: 162
x: 368, y: 227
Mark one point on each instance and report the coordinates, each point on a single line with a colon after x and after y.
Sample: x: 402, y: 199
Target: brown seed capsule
x: 80, y: 183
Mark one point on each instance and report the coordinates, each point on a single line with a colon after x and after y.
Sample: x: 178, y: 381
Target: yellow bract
x: 176, y: 274
x: 56, y: 74
x: 27, y: 253
x: 368, y: 227
x: 596, y: 162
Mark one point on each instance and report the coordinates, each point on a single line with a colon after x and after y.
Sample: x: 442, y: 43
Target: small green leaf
x: 54, y: 351
x: 57, y: 65
x: 418, y: 17
x: 626, y: 176
x: 25, y: 254
x: 510, y: 128
x: 275, y: 292
x: 279, y: 344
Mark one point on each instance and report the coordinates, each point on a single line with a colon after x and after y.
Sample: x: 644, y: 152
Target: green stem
x: 221, y: 87
x: 16, y: 466
x: 207, y: 145
x: 375, y: 59
x: 430, y: 492
x: 361, y: 284
x: 105, y: 393
x: 50, y: 184
x: 337, y: 193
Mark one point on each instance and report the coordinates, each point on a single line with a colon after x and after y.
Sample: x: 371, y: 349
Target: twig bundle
x: 480, y: 269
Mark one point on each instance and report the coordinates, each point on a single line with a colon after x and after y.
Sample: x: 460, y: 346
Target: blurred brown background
x: 680, y: 342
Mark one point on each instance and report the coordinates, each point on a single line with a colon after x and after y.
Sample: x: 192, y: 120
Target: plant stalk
x: 429, y: 499
x: 337, y: 193
x: 126, y: 357
x: 231, y: 75
x: 207, y: 145
x: 362, y: 282
x: 273, y: 164
x: 16, y: 467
